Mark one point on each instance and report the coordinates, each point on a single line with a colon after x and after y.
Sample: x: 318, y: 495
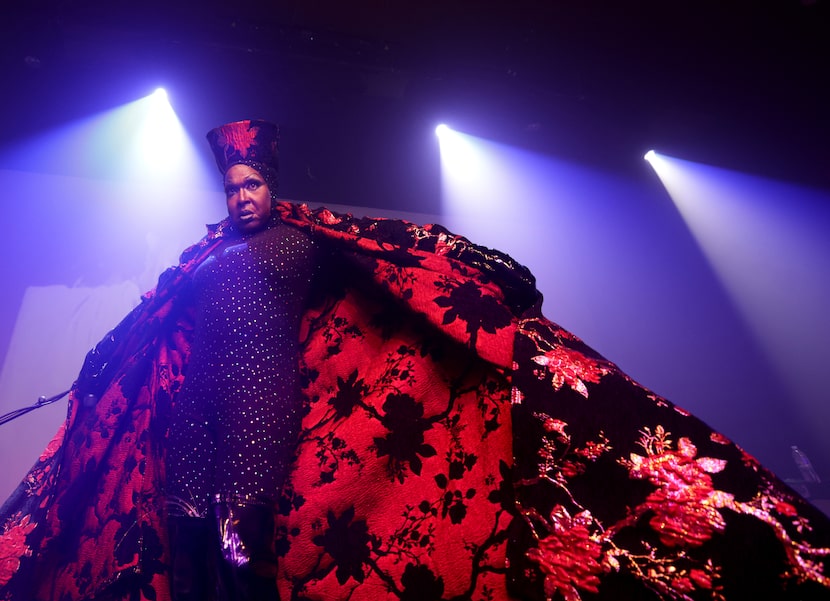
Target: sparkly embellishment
x: 237, y: 418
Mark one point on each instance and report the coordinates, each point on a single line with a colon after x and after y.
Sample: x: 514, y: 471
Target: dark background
x: 737, y: 83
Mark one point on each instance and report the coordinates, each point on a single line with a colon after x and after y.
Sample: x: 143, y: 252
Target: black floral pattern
x: 479, y: 311
x: 404, y: 418
x: 478, y: 453
x: 350, y: 392
x: 420, y: 584
x: 349, y: 543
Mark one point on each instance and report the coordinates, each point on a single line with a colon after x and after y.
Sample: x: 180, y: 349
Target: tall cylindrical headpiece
x: 252, y: 142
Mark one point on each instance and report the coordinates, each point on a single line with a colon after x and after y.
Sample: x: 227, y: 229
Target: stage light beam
x: 160, y: 140
x: 766, y: 242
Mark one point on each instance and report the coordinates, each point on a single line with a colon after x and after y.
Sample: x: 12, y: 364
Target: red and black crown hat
x: 252, y: 142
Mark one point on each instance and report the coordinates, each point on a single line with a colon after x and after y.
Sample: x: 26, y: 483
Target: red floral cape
x: 456, y: 445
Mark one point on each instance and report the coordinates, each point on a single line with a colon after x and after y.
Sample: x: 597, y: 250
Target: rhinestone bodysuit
x: 236, y: 421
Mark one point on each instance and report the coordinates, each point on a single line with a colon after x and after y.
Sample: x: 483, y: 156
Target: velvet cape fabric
x: 457, y: 445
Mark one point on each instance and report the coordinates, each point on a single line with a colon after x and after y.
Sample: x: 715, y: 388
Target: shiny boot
x: 191, y: 558
x: 248, y: 565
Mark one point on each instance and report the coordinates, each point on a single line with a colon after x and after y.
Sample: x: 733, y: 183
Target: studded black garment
x: 237, y: 418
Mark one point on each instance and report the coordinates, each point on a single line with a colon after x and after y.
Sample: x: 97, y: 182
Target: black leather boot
x: 192, y: 562
x: 248, y: 565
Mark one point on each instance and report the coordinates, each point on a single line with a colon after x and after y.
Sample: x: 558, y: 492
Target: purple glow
x: 104, y: 216
x: 619, y: 267
x: 767, y: 242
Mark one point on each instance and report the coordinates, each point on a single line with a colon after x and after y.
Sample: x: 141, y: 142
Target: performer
x: 454, y: 444
x: 235, y: 424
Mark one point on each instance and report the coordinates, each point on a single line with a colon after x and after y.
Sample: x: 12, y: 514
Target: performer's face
x: 248, y: 198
